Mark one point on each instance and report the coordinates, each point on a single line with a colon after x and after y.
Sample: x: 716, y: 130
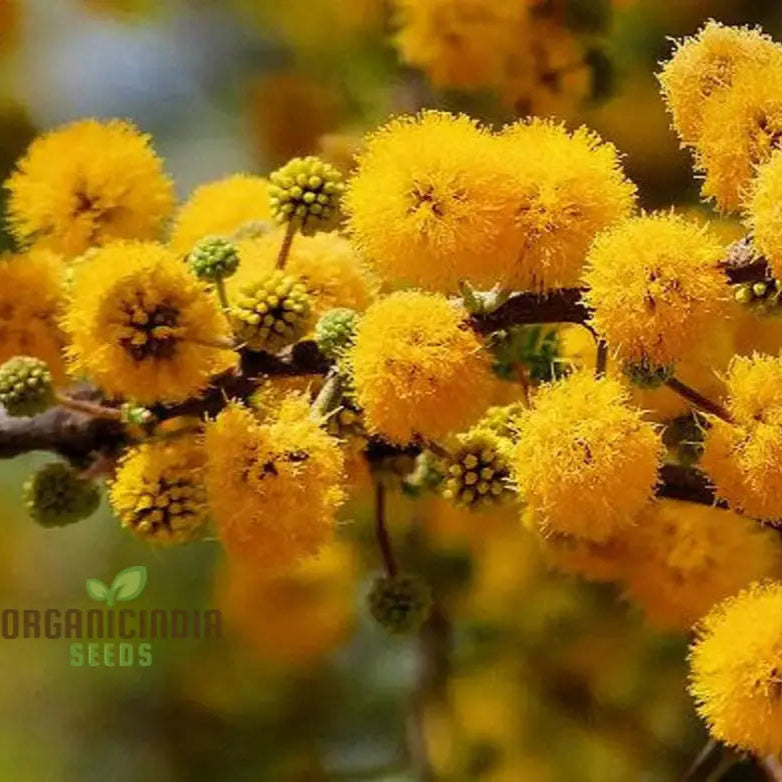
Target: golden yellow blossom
x: 418, y: 368
x: 296, y: 617
x: 569, y: 186
x: 460, y: 43
x: 655, y: 287
x: 431, y: 202
x: 158, y: 492
x: 86, y: 184
x: 686, y: 557
x: 332, y: 272
x: 703, y: 67
x: 734, y: 669
x: 754, y: 386
x: 141, y: 326
x: 764, y: 217
x: 32, y: 298
x: 585, y: 462
x: 740, y: 131
x: 273, y: 487
x: 607, y: 560
x: 219, y: 209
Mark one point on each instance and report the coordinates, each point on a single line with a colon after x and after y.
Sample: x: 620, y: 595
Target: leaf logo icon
x: 128, y: 584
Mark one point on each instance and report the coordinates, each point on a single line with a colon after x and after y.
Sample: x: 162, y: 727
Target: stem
x: 381, y: 531
x: 706, y: 761
x: 601, y: 362
x: 327, y: 397
x: 222, y: 294
x: 285, y: 249
x: 88, y: 408
x: 691, y: 395
x: 772, y: 767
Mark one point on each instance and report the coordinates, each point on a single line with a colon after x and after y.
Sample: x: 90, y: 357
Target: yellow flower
x: 755, y: 389
x: 418, y: 368
x: 569, y: 187
x: 141, y: 326
x: 764, y: 218
x: 460, y: 43
x: 703, y: 67
x: 687, y: 557
x: 219, y: 209
x: 326, y: 263
x: 740, y: 132
x: 158, y: 492
x: 585, y: 462
x: 431, y: 202
x: 32, y: 298
x: 734, y: 669
x: 606, y: 560
x: 655, y: 287
x: 293, y: 618
x: 273, y: 487
x: 86, y: 184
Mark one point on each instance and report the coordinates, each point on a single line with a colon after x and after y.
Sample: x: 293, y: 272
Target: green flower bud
x: 56, y: 496
x: 306, y: 193
x: 271, y: 313
x: 136, y: 414
x: 335, y: 331
x: 25, y: 386
x: 400, y: 604
x: 646, y: 375
x: 214, y: 258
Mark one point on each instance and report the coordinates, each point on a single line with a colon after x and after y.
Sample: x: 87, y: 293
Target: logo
x: 128, y: 584
x: 111, y: 634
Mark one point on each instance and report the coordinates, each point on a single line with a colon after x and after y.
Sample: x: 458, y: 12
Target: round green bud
x: 25, y: 386
x: 214, y: 258
x: 646, y: 375
x: 56, y: 496
x: 306, y: 193
x: 743, y: 294
x: 336, y: 331
x: 272, y: 312
x: 400, y: 604
x: 478, y: 473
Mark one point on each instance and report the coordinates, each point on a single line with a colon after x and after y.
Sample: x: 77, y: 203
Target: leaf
x: 96, y: 589
x: 129, y: 583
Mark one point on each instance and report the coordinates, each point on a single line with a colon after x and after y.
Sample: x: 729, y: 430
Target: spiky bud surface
x: 400, y: 604
x: 214, y: 258
x: 56, y: 496
x: 336, y: 331
x: 25, y: 386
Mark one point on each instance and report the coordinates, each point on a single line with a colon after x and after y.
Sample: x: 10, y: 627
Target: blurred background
x: 524, y: 673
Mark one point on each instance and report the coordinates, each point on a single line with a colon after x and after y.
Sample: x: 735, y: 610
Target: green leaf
x: 96, y: 589
x: 129, y: 583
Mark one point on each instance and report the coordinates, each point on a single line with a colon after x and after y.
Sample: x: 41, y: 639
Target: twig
x: 282, y: 257
x: 696, y: 398
x: 381, y: 531
x: 89, y: 408
x: 328, y: 396
x: 222, y: 295
x: 601, y: 362
x: 707, y: 760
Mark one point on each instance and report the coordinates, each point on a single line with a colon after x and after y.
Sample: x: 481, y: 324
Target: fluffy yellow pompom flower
x: 219, y: 209
x: 755, y: 389
x: 460, y: 43
x: 273, y: 487
x: 158, y: 491
x: 431, y: 202
x: 418, y: 368
x: 87, y: 184
x: 655, y: 287
x: 32, y: 298
x: 734, y: 669
x: 326, y: 263
x: 764, y: 217
x: 740, y: 131
x: 585, y: 462
x: 703, y: 68
x: 568, y: 187
x: 687, y: 557
x: 141, y: 326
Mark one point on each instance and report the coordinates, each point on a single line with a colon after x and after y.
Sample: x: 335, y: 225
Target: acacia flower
x: 158, y: 492
x: 655, y: 287
x: 418, y: 368
x: 431, y: 202
x: 703, y: 67
x: 585, y: 463
x: 569, y: 186
x: 734, y: 669
x: 32, y: 299
x: 142, y: 326
x: 764, y: 217
x: 686, y: 557
x: 86, y: 184
x: 274, y: 487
